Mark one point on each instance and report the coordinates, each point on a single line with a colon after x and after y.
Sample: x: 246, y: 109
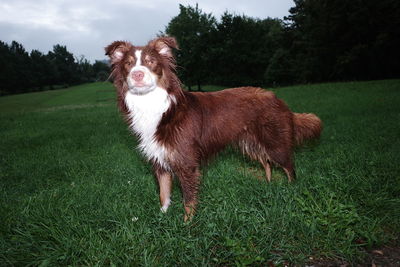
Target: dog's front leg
x: 189, y: 179
x: 164, y: 179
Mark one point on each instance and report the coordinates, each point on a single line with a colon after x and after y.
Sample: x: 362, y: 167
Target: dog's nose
x: 138, y: 75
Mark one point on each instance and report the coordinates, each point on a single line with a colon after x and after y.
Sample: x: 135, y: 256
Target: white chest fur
x: 146, y: 112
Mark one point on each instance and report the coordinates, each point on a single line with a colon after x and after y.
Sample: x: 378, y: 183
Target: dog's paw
x: 164, y: 207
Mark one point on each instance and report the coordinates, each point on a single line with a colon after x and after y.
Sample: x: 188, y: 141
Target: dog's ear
x: 164, y: 45
x: 117, y: 50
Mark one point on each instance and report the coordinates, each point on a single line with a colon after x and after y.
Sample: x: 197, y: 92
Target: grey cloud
x: 86, y: 27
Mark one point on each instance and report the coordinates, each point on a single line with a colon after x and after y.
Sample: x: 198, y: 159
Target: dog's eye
x: 128, y: 63
x: 150, y: 61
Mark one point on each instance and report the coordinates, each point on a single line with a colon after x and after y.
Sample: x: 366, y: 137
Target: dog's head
x: 143, y: 68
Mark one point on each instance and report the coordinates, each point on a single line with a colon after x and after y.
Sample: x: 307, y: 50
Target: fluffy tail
x: 306, y: 126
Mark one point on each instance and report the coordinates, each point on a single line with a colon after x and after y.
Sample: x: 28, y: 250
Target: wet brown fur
x: 198, y: 125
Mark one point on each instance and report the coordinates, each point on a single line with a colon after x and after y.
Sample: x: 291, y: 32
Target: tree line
x: 320, y: 40
x: 21, y: 71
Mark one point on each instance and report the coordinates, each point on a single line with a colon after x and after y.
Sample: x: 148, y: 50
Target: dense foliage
x: 21, y: 71
x: 320, y: 40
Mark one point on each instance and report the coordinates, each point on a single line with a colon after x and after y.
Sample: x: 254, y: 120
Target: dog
x: 179, y: 130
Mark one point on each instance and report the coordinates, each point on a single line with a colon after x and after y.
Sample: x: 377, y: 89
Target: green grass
x: 74, y: 191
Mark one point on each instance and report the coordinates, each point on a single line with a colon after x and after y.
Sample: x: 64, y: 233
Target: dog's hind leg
x: 288, y: 167
x: 268, y: 170
x: 290, y: 173
x: 285, y: 160
x: 256, y: 150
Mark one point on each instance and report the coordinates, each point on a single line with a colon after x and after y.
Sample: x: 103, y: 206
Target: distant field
x: 74, y: 191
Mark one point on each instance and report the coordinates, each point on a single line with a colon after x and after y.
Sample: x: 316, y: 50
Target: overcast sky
x: 87, y: 26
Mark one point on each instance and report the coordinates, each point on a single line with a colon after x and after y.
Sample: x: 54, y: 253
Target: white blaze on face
x: 138, y: 55
x: 149, y: 81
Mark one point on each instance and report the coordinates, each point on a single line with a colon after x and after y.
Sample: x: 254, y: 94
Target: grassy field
x: 74, y: 191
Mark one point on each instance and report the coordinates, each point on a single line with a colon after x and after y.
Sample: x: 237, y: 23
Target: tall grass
x: 74, y: 191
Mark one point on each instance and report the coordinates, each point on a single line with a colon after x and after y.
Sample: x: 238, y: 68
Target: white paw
x: 164, y: 208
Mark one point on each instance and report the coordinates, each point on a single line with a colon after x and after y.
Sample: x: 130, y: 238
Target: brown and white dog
x: 179, y: 130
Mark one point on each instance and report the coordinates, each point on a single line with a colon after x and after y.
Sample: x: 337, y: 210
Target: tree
x: 101, y: 70
x: 191, y: 29
x: 6, y: 69
x: 345, y: 40
x: 22, y: 74
x: 42, y: 70
x: 234, y: 51
x: 21, y: 71
x: 65, y: 67
x: 84, y: 70
x: 279, y: 71
x: 242, y: 48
